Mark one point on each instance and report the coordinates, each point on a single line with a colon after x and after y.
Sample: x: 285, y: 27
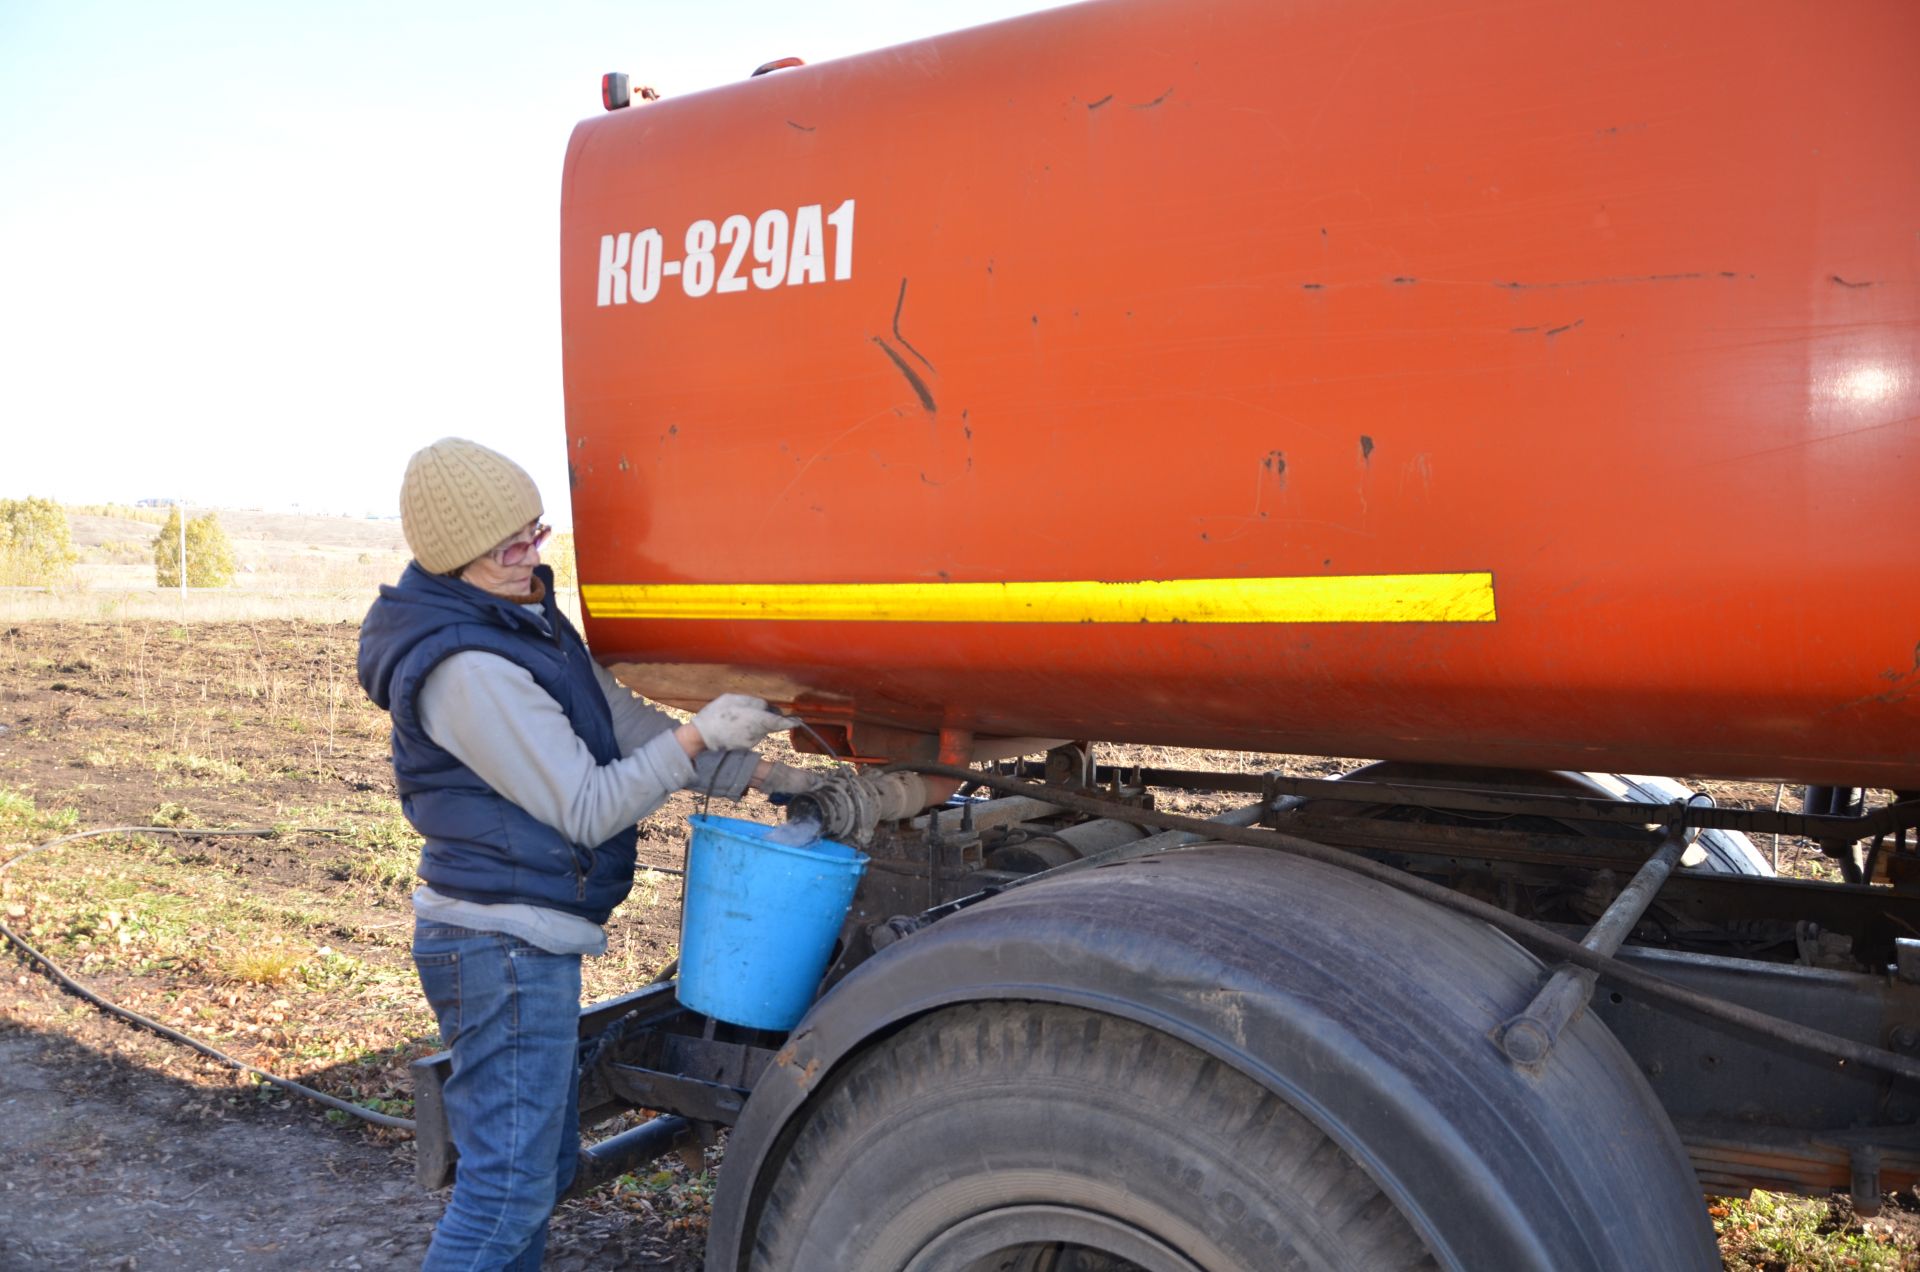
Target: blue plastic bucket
x: 759, y: 921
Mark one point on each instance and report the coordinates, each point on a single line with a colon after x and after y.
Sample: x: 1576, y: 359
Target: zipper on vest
x: 580, y: 875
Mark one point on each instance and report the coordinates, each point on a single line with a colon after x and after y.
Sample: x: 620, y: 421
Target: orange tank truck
x: 1521, y: 397
x: 1530, y: 386
x: 1423, y: 381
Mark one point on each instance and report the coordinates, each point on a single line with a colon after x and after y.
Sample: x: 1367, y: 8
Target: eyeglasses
x: 523, y: 545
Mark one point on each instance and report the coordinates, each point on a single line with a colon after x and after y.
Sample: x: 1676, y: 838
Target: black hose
x: 66, y: 982
x: 1532, y: 935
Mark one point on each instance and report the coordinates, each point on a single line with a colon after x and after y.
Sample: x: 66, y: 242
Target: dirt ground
x: 111, y: 1165
x: 121, y: 1150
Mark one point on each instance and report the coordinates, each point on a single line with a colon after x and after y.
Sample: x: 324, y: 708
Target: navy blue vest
x: 480, y: 846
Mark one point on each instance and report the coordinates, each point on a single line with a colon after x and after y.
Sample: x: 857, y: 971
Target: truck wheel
x: 1033, y: 1137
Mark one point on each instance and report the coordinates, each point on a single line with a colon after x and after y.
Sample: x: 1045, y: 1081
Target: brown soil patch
x: 289, y: 953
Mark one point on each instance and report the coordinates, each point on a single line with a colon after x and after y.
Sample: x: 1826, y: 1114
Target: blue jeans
x: 511, y: 1013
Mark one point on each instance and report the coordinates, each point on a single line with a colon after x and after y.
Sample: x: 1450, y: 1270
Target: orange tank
x: 1524, y: 386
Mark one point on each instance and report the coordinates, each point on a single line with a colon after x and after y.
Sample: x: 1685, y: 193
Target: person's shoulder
x: 450, y: 642
x: 478, y: 660
x: 471, y: 649
x: 474, y: 667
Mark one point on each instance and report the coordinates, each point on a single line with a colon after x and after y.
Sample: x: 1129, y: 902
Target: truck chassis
x: 1774, y: 1021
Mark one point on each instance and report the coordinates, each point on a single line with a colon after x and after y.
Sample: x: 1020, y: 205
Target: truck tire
x: 1366, y: 1012
x: 1044, y: 1138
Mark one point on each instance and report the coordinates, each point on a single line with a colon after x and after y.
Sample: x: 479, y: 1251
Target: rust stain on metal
x: 789, y: 1055
x: 1901, y: 682
x: 1809, y: 1168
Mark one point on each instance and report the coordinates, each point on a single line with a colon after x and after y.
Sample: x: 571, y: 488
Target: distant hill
x: 91, y: 529
x: 276, y: 551
x: 92, y: 532
x: 332, y: 532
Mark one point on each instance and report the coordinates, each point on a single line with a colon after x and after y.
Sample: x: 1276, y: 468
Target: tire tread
x: 1107, y: 1067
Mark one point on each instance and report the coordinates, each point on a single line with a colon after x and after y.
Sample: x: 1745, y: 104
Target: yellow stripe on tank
x: 1353, y: 598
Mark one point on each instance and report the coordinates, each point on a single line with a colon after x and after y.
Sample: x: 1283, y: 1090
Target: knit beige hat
x: 459, y: 499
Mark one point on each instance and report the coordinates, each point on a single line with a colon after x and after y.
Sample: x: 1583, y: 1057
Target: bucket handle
x: 706, y: 796
x: 706, y: 805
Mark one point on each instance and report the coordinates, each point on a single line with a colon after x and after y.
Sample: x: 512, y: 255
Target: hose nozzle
x: 849, y: 806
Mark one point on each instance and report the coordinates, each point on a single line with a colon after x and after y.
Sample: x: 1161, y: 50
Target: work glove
x: 785, y: 779
x: 735, y: 722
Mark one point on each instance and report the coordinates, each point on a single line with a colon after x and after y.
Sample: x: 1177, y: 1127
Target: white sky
x: 255, y: 255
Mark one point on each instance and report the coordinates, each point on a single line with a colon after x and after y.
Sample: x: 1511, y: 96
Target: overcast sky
x: 254, y: 255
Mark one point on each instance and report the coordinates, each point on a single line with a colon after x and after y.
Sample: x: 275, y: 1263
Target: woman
x: 524, y: 766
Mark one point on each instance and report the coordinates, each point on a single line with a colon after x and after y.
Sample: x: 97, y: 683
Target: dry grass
x: 188, y: 767
x: 218, y: 725
x: 209, y: 934
x: 270, y: 964
x: 383, y: 854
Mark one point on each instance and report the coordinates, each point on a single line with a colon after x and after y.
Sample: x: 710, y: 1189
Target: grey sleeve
x: 490, y: 715
x: 637, y: 722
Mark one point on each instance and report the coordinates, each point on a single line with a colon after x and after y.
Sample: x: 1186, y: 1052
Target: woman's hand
x: 784, y: 779
x: 736, y: 722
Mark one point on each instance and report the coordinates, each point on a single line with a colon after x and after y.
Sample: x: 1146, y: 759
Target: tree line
x: 36, y: 547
